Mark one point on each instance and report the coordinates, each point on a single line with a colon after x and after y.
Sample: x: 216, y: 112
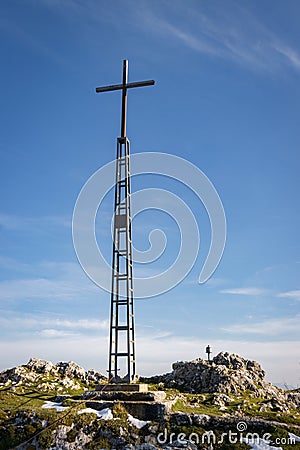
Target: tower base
x: 122, y: 387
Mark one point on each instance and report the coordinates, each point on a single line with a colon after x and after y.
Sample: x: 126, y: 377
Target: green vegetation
x: 22, y: 417
x: 119, y: 411
x: 29, y: 399
x: 71, y: 435
x: 242, y: 403
x: 97, y: 443
x: 45, y: 438
x: 184, y: 406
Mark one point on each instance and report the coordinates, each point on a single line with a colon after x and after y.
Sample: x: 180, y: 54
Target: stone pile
x: 69, y: 374
x: 226, y: 374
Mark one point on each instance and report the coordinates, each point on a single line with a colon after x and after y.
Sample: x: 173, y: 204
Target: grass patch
x: 16, y: 401
x: 182, y: 406
x: 119, y: 411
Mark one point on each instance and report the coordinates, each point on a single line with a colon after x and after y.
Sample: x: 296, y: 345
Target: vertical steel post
x: 124, y: 98
x: 121, y: 330
x: 122, y: 308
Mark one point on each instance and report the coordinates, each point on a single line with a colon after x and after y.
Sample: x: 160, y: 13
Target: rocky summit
x: 227, y: 373
x: 64, y: 374
x: 62, y: 406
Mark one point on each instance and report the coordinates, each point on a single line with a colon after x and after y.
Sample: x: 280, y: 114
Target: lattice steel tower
x: 122, y: 335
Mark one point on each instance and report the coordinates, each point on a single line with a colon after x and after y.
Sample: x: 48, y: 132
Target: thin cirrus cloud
x: 290, y: 294
x: 270, y: 327
x: 235, y: 35
x: 42, y: 288
x: 244, y: 291
x: 7, y: 263
x: 53, y: 333
x: 12, y: 222
x: 51, y: 280
x: 288, y: 53
x: 65, y: 328
x: 53, y: 326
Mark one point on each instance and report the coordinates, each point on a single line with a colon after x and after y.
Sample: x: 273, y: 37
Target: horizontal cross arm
x: 116, y: 87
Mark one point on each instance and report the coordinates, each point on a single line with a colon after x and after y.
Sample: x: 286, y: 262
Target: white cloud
x: 87, y: 351
x: 270, y: 327
x: 12, y: 264
x: 52, y: 333
x: 232, y: 34
x: 290, y: 294
x: 191, y: 41
x: 42, y: 288
x: 33, y: 322
x: 154, y: 356
x: 64, y: 281
x: 289, y: 54
x: 162, y: 335
x: 83, y: 324
x: 157, y: 356
x: 244, y: 291
x: 25, y: 223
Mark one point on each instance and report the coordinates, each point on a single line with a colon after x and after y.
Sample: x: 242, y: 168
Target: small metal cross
x: 208, y: 351
x: 124, y: 86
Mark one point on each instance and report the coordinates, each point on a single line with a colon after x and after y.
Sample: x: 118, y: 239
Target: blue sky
x: 226, y: 98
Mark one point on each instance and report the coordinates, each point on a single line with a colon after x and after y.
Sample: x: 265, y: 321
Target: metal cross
x: 124, y: 86
x: 122, y: 345
x: 208, y: 351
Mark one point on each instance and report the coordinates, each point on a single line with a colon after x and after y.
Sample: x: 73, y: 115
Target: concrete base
x: 155, y: 396
x: 139, y: 403
x: 122, y: 387
x: 141, y: 410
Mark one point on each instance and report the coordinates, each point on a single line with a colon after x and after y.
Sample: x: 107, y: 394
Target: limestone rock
x: 71, y: 370
x: 221, y: 399
x: 180, y: 419
x: 40, y: 366
x: 226, y: 373
x: 66, y: 374
x: 200, y: 419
